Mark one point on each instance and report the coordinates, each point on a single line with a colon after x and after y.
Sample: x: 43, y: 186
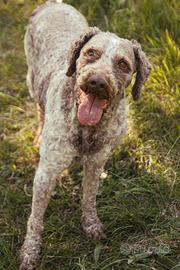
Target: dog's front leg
x: 93, y: 167
x: 44, y: 183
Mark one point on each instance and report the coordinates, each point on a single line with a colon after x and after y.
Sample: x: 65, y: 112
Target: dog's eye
x: 92, y: 54
x: 123, y: 65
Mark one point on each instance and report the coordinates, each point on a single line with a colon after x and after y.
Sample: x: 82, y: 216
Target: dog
x: 77, y: 75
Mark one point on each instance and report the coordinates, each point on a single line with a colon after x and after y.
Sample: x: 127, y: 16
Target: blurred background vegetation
x: 139, y: 199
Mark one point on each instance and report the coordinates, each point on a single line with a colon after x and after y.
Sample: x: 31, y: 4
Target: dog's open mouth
x: 90, y: 109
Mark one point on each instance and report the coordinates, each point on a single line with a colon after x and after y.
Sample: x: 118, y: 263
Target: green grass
x: 139, y: 200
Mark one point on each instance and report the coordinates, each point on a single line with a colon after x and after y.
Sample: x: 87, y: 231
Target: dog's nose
x: 97, y: 82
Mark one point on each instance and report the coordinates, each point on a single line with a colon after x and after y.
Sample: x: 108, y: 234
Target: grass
x: 139, y: 200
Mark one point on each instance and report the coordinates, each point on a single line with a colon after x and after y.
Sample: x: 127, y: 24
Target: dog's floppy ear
x: 76, y: 48
x: 143, y: 69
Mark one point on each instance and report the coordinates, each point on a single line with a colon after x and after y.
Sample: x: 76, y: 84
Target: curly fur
x: 63, y: 53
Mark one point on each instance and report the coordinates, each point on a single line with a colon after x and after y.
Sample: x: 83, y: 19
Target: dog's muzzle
x: 95, y: 94
x: 97, y: 85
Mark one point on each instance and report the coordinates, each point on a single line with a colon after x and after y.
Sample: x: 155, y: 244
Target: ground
x: 138, y: 201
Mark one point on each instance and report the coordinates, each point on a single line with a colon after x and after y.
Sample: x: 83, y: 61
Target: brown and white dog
x: 77, y: 75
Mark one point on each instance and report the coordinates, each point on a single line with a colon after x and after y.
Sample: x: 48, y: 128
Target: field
x: 139, y: 200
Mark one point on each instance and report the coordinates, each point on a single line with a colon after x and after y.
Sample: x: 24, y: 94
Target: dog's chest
x: 88, y: 140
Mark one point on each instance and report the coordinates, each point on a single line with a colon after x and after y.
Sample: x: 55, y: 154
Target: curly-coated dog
x: 77, y: 75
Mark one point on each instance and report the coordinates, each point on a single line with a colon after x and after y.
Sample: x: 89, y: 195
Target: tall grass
x: 139, y: 200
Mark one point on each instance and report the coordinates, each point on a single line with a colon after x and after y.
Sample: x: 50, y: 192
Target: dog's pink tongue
x: 90, y: 109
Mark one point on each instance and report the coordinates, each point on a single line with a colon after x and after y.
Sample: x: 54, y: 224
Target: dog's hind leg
x: 40, y: 114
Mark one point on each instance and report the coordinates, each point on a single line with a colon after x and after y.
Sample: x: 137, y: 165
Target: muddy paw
x: 30, y: 252
x: 26, y: 265
x: 93, y: 227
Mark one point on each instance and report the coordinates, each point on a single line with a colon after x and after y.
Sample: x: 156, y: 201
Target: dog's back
x: 51, y: 31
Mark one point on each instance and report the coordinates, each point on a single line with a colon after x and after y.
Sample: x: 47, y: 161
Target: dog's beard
x: 90, y: 109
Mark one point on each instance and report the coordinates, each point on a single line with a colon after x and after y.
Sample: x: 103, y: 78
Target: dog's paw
x: 93, y: 227
x: 25, y: 264
x: 30, y: 252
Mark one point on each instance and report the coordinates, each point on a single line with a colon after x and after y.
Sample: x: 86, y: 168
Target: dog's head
x: 104, y: 65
